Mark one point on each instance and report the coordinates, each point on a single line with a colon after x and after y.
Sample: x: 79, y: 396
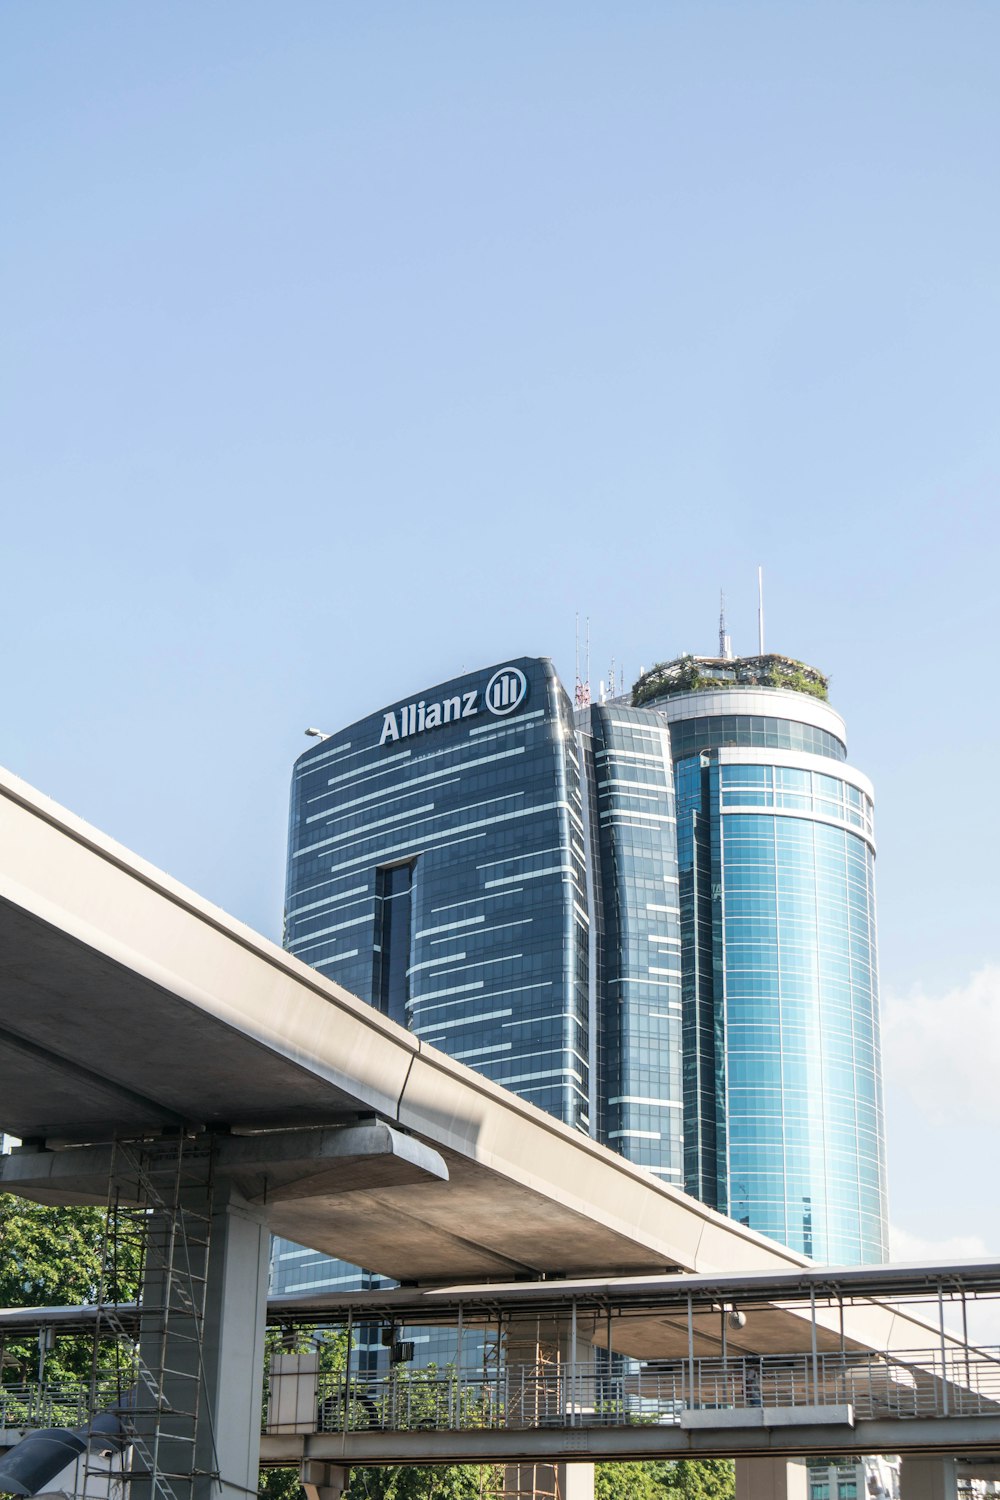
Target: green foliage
x: 689, y: 674
x: 48, y: 1256
x: 280, y: 1484
x: 701, y: 1479
x: 412, y: 1482
x: 51, y: 1257
x: 626, y: 1481
x: 666, y: 1479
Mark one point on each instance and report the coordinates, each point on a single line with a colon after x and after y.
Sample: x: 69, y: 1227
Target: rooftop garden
x: 692, y: 674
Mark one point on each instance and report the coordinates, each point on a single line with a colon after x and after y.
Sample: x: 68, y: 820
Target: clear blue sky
x: 346, y: 345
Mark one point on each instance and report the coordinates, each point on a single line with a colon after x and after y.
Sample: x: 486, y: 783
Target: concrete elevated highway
x: 154, y: 1048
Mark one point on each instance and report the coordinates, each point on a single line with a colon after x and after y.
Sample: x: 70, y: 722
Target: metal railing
x: 903, y: 1385
x: 31, y: 1405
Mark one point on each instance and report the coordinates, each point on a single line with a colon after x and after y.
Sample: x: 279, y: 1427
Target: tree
x: 697, y: 1479
x: 53, y: 1257
x: 626, y: 1481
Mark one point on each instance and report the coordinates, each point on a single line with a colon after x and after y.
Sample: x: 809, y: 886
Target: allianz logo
x: 505, y: 691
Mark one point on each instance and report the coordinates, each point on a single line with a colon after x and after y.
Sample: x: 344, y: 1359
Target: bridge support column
x: 547, y: 1481
x: 212, y: 1378
x: 323, y: 1481
x: 771, y: 1479
x: 928, y: 1479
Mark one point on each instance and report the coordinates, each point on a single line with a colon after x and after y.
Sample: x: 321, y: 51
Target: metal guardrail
x: 917, y: 1383
x: 31, y: 1405
x: 902, y: 1385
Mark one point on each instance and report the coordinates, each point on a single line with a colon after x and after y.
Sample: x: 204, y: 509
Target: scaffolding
x: 157, y: 1234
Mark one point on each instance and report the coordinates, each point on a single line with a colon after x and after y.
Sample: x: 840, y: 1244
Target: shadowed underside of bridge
x: 129, y: 1005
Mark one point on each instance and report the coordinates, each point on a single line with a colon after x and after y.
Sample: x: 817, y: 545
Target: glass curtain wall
x: 638, y: 978
x: 790, y: 906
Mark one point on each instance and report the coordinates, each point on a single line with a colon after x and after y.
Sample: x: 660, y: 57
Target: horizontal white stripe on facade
x: 359, y: 833
x: 511, y: 724
x: 419, y: 1000
x: 796, y: 760
x: 309, y: 765
x: 436, y: 1026
x: 355, y: 890
x: 449, y: 926
x: 761, y: 810
x: 655, y: 1103
x: 481, y: 1051
x: 497, y: 927
x: 341, y: 810
x: 530, y: 875
x: 400, y: 788
x: 512, y: 858
x: 435, y: 963
x: 448, y: 835
x: 545, y: 1073
x: 310, y: 939
x: 473, y: 901
x: 645, y: 729
x: 455, y: 989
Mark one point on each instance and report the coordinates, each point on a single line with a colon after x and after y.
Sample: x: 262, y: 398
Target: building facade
x: 784, y: 1126
x: 436, y: 869
x: 652, y: 917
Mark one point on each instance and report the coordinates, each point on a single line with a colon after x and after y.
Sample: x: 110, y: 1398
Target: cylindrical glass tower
x: 782, y: 1072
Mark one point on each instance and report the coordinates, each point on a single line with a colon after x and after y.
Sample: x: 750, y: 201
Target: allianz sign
x: 505, y: 691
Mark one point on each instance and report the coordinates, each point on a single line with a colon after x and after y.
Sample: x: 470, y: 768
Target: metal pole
x: 610, y: 1388
x: 965, y: 1341
x: 944, y: 1351
x: 572, y: 1364
x: 815, y: 1359
x: 347, y: 1366
x: 760, y: 611
x: 458, y: 1370
x: 690, y: 1351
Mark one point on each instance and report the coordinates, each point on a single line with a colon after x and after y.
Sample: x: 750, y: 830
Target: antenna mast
x: 760, y: 611
x: 725, y: 640
x: 581, y: 696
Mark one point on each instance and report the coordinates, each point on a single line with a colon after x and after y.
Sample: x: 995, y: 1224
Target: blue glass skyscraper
x: 436, y: 869
x: 653, y: 917
x: 783, y: 1095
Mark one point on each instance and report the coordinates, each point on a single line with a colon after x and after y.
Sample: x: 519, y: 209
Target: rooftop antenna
x: 581, y: 696
x: 760, y: 611
x: 588, y: 659
x: 725, y: 640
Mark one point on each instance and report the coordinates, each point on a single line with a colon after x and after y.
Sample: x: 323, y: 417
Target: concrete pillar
x: 548, y: 1481
x: 928, y: 1479
x: 217, y: 1248
x: 235, y: 1319
x: 322, y: 1481
x: 576, y: 1481
x: 771, y: 1479
x: 550, y: 1375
